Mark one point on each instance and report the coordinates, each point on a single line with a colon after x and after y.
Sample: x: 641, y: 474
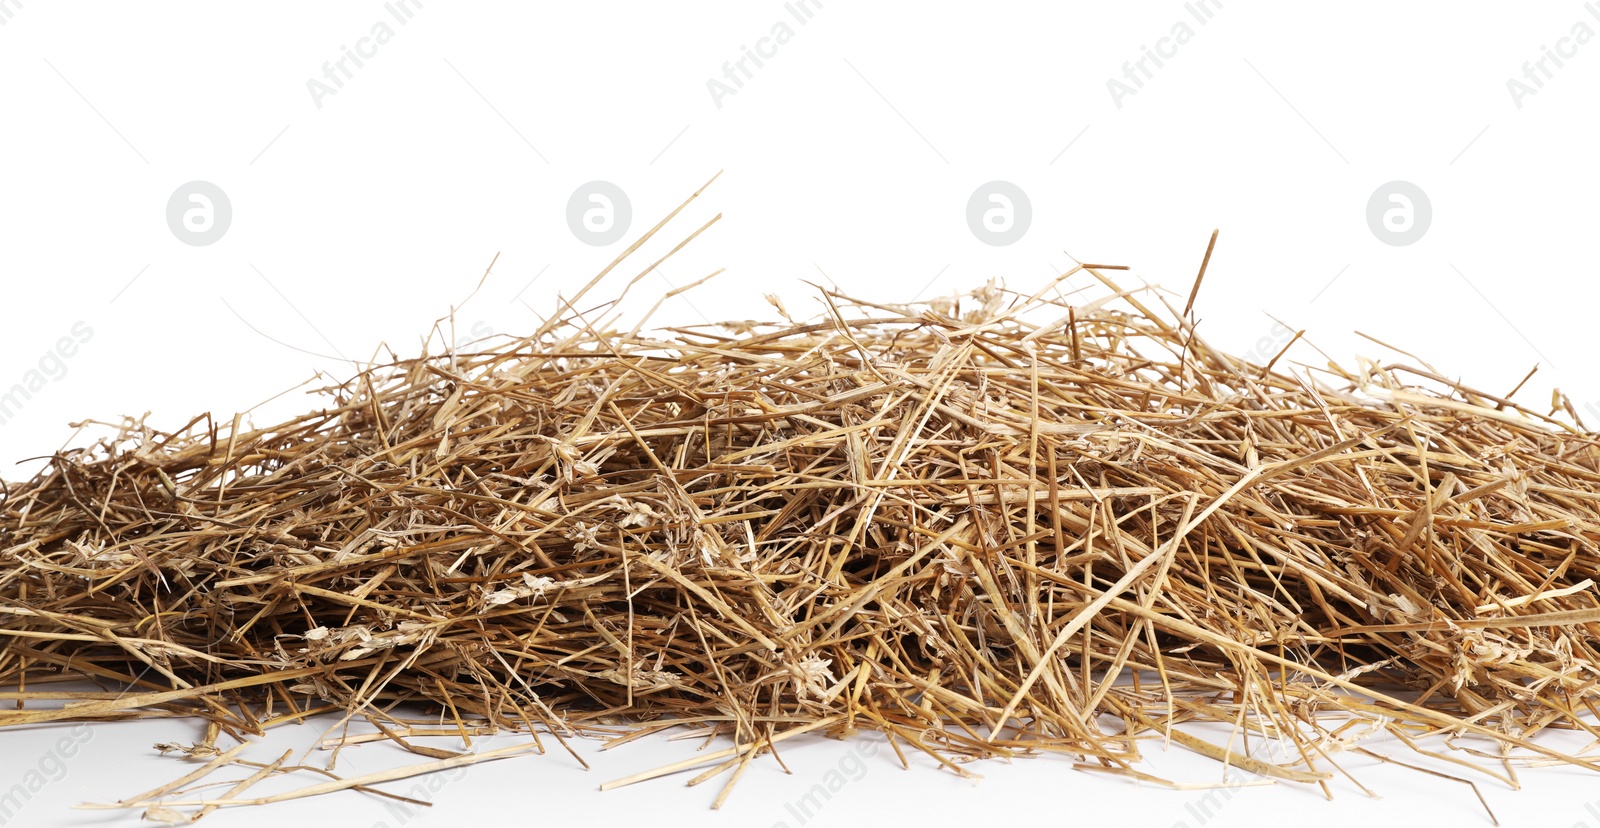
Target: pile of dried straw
x: 991, y: 526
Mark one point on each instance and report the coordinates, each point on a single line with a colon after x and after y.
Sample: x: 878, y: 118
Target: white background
x: 849, y: 157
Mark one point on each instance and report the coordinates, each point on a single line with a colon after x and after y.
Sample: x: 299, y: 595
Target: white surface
x: 849, y: 155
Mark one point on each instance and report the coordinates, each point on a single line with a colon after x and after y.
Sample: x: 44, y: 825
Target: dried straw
x: 1000, y: 525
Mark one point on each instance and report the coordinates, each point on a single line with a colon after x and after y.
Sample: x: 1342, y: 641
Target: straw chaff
x: 988, y: 526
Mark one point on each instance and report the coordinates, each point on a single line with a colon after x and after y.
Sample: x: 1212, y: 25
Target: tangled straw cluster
x: 987, y: 526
